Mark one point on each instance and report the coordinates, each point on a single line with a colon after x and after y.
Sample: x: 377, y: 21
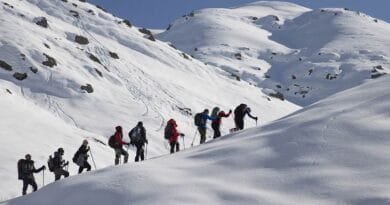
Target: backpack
x: 198, y: 120
x: 75, y: 158
x: 111, y: 142
x: 168, y: 131
x: 20, y: 169
x: 240, y: 110
x: 135, y: 135
x: 50, y: 163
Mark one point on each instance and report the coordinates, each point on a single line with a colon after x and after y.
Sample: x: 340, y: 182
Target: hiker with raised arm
x: 216, y: 123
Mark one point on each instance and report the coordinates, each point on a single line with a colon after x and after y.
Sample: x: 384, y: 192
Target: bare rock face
x: 5, y: 66
x: 114, y: 55
x: 81, y: 40
x: 94, y: 58
x: 88, y: 88
x: 20, y: 76
x: 50, y: 62
x: 148, y: 34
x: 277, y: 95
x: 41, y: 21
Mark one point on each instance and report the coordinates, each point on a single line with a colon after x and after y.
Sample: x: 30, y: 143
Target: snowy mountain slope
x: 72, y: 64
x: 304, y: 55
x: 332, y: 152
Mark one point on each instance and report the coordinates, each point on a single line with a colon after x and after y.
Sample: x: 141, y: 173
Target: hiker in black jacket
x: 59, y: 165
x: 26, y: 170
x: 81, y: 157
x: 138, y: 139
x: 239, y: 114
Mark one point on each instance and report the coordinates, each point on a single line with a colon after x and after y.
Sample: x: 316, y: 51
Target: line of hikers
x: 137, y: 136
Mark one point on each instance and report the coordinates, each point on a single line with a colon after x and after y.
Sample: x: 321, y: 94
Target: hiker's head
x: 28, y: 157
x: 140, y: 124
x: 206, y: 111
x: 118, y: 128
x: 85, y: 142
x: 61, y: 151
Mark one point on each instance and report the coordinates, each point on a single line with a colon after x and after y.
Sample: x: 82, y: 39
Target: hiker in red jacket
x: 172, y: 135
x: 216, y: 124
x: 118, y: 137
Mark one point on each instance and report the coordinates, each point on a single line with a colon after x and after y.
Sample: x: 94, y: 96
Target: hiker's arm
x: 251, y: 116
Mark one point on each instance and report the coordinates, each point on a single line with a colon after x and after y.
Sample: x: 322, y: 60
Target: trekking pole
x: 43, y: 177
x: 93, y: 160
x: 184, y: 144
x: 193, y: 140
x: 146, y: 151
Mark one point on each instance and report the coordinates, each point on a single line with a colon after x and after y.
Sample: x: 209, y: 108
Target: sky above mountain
x: 159, y: 13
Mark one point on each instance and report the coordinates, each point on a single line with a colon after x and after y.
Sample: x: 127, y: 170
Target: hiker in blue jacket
x: 202, y: 125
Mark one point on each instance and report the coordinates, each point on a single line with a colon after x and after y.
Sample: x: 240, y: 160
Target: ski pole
x: 184, y: 144
x: 146, y: 151
x: 93, y: 160
x: 43, y: 177
x: 193, y: 140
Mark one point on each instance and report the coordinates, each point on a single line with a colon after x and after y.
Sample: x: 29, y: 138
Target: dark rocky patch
x: 379, y: 67
x: 88, y: 88
x: 75, y: 5
x: 173, y: 46
x: 23, y: 56
x: 91, y: 11
x: 279, y: 86
x: 47, y: 46
x: 310, y: 71
x: 266, y: 76
x: 185, y: 56
x: 127, y: 22
x: 185, y: 111
x: 145, y: 31
x: 235, y: 76
x: 113, y: 55
x: 50, y: 62
x: 5, y: 66
x: 238, y: 56
x: 94, y: 58
x: 8, y: 91
x: 20, y: 76
x: 293, y: 77
x: 376, y: 20
x: 74, y: 13
x: 81, y: 40
x: 9, y: 5
x: 101, y: 8
x: 169, y: 27
x: 64, y: 1
x: 98, y: 72
x: 34, y: 70
x: 331, y: 76
x: 42, y: 21
x: 278, y: 95
x: 195, y: 49
x: 82, y: 0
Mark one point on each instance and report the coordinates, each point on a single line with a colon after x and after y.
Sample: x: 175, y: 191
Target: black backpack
x: 76, y: 157
x: 198, y: 119
x: 168, y: 131
x: 50, y: 163
x: 20, y: 169
x: 111, y: 141
x: 239, y: 111
x: 135, y: 135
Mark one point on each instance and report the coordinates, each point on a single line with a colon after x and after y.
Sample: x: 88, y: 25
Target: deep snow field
x: 326, y: 141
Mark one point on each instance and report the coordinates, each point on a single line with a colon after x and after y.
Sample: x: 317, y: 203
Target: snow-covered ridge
x: 332, y: 152
x: 300, y: 54
x: 69, y: 71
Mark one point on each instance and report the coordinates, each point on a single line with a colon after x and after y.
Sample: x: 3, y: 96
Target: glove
x: 230, y: 111
x: 43, y: 167
x: 147, y: 142
x: 256, y: 118
x: 181, y: 134
x: 66, y: 164
x: 128, y: 144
